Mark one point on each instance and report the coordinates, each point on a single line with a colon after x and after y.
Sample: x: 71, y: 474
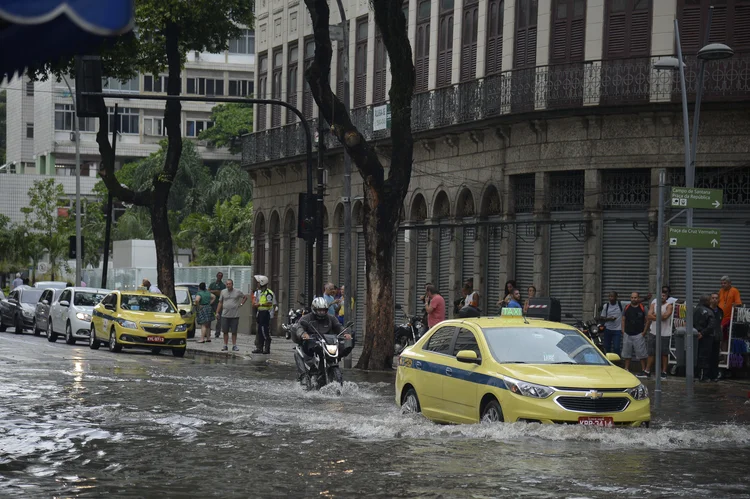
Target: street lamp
x: 710, y: 52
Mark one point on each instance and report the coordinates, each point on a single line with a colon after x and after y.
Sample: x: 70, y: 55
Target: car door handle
x: 448, y: 371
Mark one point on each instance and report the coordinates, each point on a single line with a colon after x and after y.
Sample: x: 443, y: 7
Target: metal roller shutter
x: 444, y: 265
x: 292, y: 273
x: 420, y: 269
x: 326, y: 261
x: 524, y: 258
x: 468, y: 254
x: 709, y: 265
x: 275, y: 264
x: 399, y: 271
x: 361, y: 291
x: 494, y: 286
x: 341, y: 278
x: 625, y: 260
x: 566, y: 272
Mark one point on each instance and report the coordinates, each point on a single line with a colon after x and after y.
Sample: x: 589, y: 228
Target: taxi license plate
x: 155, y: 339
x: 592, y: 421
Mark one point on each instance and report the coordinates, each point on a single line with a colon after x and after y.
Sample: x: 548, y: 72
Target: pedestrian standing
x: 203, y: 302
x: 230, y: 301
x: 469, y: 306
x: 216, y: 288
x: 264, y: 302
x: 704, y: 321
x: 729, y: 297
x: 510, y: 285
x: 633, y: 332
x: 435, y: 307
x: 713, y: 359
x: 150, y: 287
x: 531, y: 294
x: 665, y: 315
x: 612, y: 315
x: 17, y: 281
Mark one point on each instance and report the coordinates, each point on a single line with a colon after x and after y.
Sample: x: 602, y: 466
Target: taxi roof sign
x: 517, y: 312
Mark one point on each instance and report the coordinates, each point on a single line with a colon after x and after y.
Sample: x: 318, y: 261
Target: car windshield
x: 538, y: 345
x: 145, y: 303
x: 87, y: 299
x: 183, y: 297
x: 31, y: 295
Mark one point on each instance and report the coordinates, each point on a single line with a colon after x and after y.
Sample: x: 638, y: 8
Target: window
x: 381, y: 56
x: 526, y: 21
x: 494, y: 57
x: 360, y: 63
x: 278, y: 62
x: 29, y: 89
x: 445, y: 43
x: 422, y: 60
x: 568, y: 31
x: 466, y: 341
x: 469, y: 29
x: 64, y: 117
x: 193, y: 128
x: 115, y: 85
x: 65, y: 296
x: 240, y: 88
x: 205, y: 86
x: 262, y: 85
x: 307, y: 99
x: 155, y: 83
x: 154, y: 126
x: 440, y: 341
x: 127, y: 119
x: 540, y: 345
x: 292, y: 73
x: 730, y: 23
x: 244, y: 44
x: 29, y: 130
x: 628, y: 28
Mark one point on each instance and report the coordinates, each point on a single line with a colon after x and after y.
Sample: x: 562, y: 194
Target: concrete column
x: 433, y: 251
x: 509, y: 27
x: 541, y: 244
x: 508, y: 243
x: 434, y: 17
x: 456, y: 264
x: 458, y: 9
x: 481, y: 39
x: 410, y: 259
x: 282, y: 294
x: 480, y: 265
x: 592, y: 249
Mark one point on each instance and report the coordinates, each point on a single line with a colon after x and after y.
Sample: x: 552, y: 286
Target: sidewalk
x: 281, y: 349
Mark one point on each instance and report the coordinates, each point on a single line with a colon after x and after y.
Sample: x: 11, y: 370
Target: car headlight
x: 528, y: 389
x: 181, y: 327
x: 639, y: 392
x: 332, y: 349
x: 27, y: 313
x: 127, y: 324
x: 83, y: 317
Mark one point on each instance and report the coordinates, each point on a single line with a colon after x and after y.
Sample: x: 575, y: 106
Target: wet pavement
x: 81, y: 423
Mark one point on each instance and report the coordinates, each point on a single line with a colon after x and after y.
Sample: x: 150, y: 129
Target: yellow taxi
x: 138, y: 319
x: 511, y: 369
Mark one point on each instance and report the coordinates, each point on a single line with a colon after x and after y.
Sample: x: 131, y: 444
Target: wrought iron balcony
x: 613, y: 83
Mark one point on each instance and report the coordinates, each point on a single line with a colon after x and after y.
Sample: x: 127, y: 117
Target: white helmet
x: 319, y: 307
x: 262, y: 280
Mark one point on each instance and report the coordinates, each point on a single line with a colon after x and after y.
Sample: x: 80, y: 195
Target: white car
x: 71, y: 314
x: 43, y: 308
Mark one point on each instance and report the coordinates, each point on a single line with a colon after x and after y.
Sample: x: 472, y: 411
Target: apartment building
x: 540, y: 127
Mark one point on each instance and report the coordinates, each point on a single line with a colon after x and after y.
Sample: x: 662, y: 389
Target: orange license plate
x: 594, y: 421
x: 155, y: 339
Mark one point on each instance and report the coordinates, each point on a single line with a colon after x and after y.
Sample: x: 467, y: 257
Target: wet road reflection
x: 74, y: 422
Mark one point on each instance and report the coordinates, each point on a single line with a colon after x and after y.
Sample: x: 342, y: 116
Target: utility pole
x: 108, y: 226
x: 348, y: 312
x: 77, y: 134
x: 657, y: 308
x: 319, y: 236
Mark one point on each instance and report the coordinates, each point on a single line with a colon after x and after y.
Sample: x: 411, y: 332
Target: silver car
x: 43, y: 307
x: 71, y: 313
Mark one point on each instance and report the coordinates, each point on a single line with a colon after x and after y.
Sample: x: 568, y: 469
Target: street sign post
x: 691, y: 197
x: 694, y: 237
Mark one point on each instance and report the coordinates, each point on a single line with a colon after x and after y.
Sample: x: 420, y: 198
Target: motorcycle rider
x: 317, y: 321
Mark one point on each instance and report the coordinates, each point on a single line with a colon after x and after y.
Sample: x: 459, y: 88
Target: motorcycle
x: 593, y: 329
x: 407, y: 333
x: 322, y: 367
x: 292, y: 319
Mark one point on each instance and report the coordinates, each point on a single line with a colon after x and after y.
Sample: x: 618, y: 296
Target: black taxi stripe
x: 462, y: 374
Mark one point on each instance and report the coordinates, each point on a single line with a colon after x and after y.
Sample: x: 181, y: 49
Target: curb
x: 232, y: 355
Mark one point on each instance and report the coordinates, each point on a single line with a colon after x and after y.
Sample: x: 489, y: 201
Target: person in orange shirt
x: 729, y: 297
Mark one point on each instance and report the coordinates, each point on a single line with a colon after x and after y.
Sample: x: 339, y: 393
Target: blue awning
x: 37, y: 31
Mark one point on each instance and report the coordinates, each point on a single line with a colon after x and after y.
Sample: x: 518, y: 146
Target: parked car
x: 43, y: 306
x: 17, y: 310
x: 185, y: 302
x: 51, y: 284
x: 72, y: 313
x: 192, y: 287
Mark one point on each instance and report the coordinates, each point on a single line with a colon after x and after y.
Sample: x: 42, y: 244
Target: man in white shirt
x: 667, y: 309
x: 150, y: 287
x: 612, y: 314
x: 17, y: 281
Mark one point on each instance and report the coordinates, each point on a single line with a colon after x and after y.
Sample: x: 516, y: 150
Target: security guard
x: 264, y: 301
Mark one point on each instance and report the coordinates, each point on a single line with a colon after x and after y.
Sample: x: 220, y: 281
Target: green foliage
x: 230, y: 122
x: 135, y: 223
x: 222, y: 238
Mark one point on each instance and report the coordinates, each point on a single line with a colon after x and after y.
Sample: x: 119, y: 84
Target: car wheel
x: 114, y: 345
x: 178, y: 352
x: 410, y: 402
x: 93, y: 342
x: 37, y: 331
x: 3, y: 327
x: 492, y: 413
x: 51, y: 335
x: 69, y: 335
x: 19, y: 325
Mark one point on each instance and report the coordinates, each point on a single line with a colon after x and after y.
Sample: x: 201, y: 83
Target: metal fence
x: 131, y: 278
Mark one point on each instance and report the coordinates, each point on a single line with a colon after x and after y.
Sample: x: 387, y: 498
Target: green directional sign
x: 691, y: 197
x: 684, y: 237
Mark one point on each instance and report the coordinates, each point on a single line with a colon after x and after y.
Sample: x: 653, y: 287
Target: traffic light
x: 88, y: 79
x: 308, y: 225
x: 72, y: 247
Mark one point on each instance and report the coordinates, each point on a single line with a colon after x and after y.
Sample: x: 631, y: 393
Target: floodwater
x: 82, y: 423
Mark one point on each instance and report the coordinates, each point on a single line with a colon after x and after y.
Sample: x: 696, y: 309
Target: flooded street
x: 82, y: 423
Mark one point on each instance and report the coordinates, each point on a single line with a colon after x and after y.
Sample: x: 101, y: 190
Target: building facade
x: 540, y: 128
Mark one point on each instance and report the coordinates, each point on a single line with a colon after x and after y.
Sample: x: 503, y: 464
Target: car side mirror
x: 64, y: 303
x: 613, y: 357
x: 182, y: 313
x: 45, y: 302
x: 109, y: 306
x: 468, y: 356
